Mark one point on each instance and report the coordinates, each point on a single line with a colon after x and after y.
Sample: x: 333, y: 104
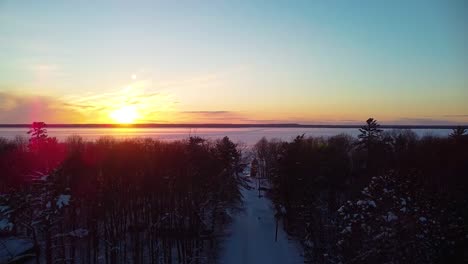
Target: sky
x: 308, y: 62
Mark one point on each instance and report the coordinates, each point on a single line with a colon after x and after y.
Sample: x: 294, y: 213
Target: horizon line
x: 228, y: 125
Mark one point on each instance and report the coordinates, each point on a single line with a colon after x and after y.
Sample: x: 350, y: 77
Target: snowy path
x: 252, y: 235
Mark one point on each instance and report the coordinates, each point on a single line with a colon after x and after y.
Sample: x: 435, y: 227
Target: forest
x: 383, y: 197
x: 109, y: 201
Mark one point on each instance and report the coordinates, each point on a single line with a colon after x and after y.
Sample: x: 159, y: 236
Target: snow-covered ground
x: 15, y: 249
x: 252, y: 235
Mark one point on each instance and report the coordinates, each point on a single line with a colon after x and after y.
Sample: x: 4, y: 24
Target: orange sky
x: 308, y: 62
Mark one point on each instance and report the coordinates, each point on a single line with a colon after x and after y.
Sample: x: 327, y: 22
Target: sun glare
x: 124, y: 115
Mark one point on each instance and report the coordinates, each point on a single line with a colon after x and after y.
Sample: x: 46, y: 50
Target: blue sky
x: 234, y: 61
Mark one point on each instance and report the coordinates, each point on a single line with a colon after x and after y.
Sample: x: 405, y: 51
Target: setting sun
x: 124, y: 115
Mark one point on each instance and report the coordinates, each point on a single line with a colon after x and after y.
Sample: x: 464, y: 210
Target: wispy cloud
x: 262, y: 121
x: 150, y: 103
x: 16, y: 108
x: 455, y: 116
x: 421, y: 121
x: 79, y: 105
x: 207, y: 112
x: 210, y: 116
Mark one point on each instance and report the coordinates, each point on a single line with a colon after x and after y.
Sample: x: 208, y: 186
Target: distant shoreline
x: 227, y: 126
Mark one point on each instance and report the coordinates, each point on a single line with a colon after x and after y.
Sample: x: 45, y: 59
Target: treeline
x: 384, y: 197
x: 116, y: 201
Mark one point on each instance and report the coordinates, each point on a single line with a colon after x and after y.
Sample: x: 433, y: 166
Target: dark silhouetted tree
x: 370, y: 133
x: 458, y: 132
x: 47, y: 152
x: 37, y: 131
x: 370, y: 140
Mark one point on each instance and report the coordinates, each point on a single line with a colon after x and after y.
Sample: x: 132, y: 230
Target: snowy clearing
x: 13, y: 248
x: 252, y: 235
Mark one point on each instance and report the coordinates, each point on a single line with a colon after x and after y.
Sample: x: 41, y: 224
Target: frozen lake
x: 247, y: 135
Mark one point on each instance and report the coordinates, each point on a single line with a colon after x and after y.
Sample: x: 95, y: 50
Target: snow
x: 365, y: 191
x: 340, y: 210
x: 13, y: 248
x: 80, y: 233
x: 63, y: 200
x: 252, y: 235
x: 283, y: 210
x: 4, y: 208
x: 369, y: 203
x: 5, y: 225
x: 347, y: 229
x: 390, y: 217
x: 403, y: 201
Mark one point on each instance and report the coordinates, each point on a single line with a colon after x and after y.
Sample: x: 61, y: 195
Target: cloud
x: 351, y: 121
x: 207, y: 112
x: 97, y: 106
x: 421, y: 121
x: 16, y: 109
x: 455, y: 116
x: 209, y: 116
x: 79, y: 105
x: 263, y: 121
